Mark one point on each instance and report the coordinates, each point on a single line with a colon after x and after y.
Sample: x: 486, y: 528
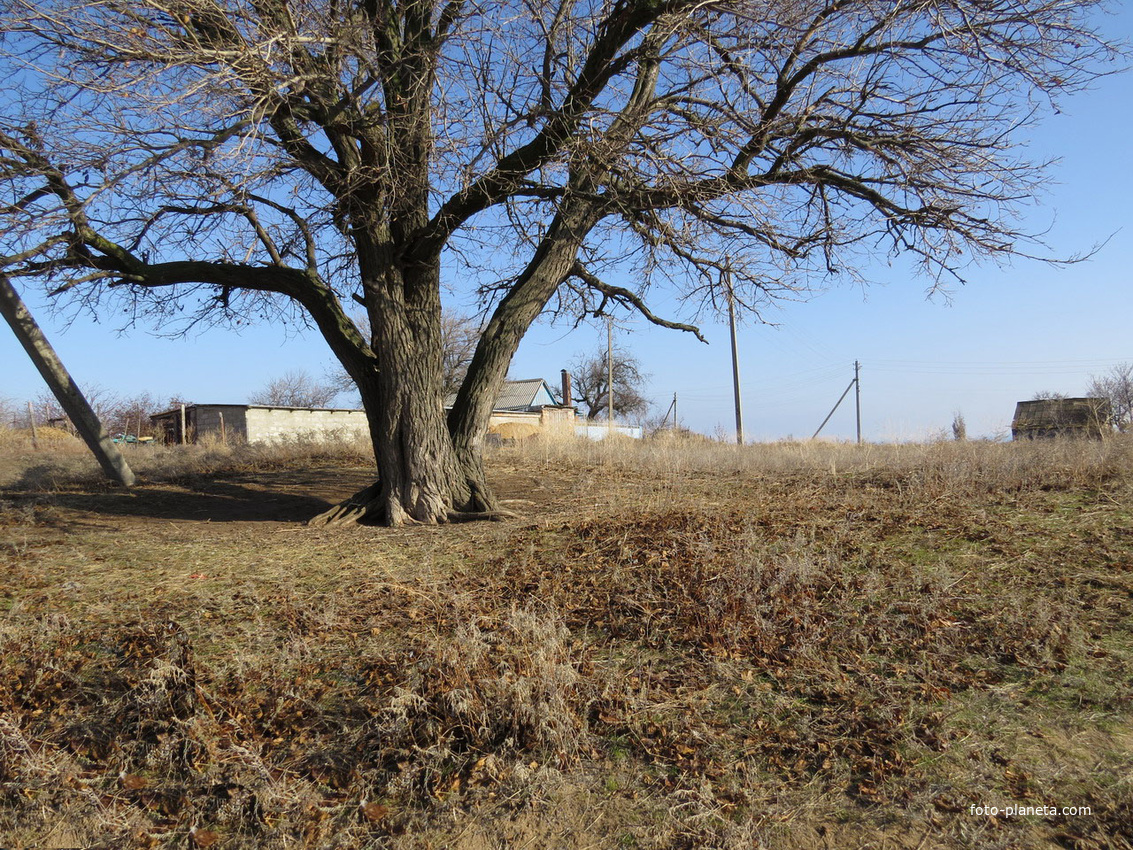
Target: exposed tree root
x: 475, y: 516
x: 350, y: 512
x: 482, y: 499
x: 366, y: 507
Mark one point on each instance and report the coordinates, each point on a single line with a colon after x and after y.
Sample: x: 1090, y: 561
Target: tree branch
x: 627, y: 298
x: 602, y: 63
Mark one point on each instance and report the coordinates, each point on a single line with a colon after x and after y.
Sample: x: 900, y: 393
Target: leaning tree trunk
x: 552, y: 262
x: 70, y: 397
x: 420, y: 477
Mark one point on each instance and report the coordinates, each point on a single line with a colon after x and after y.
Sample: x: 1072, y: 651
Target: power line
x: 853, y: 383
x: 789, y: 380
x: 984, y: 367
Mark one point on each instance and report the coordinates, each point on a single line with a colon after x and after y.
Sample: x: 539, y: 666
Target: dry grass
x: 65, y: 460
x: 797, y: 645
x: 17, y: 441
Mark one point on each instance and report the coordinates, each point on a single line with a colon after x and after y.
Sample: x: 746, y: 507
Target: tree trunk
x: 468, y: 420
x: 430, y: 470
x: 70, y: 397
x: 421, y: 479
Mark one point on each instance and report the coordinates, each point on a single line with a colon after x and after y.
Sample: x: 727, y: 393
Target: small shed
x: 258, y: 423
x: 1061, y: 417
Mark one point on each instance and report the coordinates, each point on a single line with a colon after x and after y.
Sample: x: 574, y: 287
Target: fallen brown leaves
x: 824, y: 634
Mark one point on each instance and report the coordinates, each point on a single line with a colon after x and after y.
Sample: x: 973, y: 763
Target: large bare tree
x: 1116, y: 386
x: 591, y: 374
x: 235, y: 159
x: 296, y: 388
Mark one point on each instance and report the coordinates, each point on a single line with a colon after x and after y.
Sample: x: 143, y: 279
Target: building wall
x: 543, y: 397
x: 517, y: 417
x: 558, y: 419
x: 553, y: 420
x: 255, y: 424
x: 601, y: 432
x: 206, y: 418
x: 272, y: 424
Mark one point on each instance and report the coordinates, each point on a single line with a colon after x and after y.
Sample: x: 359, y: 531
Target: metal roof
x: 515, y: 395
x: 518, y: 395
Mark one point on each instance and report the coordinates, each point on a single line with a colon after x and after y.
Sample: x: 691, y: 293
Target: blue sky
x: 1005, y: 335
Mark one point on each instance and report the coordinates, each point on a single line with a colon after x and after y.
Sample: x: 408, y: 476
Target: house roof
x: 520, y: 394
x: 1060, y: 413
x: 514, y: 395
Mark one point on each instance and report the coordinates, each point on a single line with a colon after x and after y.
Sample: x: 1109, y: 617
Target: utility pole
x: 853, y: 385
x: 609, y: 373
x: 735, y: 360
x: 858, y: 398
x: 673, y: 410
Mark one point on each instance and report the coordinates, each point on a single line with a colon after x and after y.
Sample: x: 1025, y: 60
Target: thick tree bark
x: 421, y: 476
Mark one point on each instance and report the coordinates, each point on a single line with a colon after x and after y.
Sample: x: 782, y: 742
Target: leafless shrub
x: 296, y: 389
x: 10, y: 414
x: 1117, y: 387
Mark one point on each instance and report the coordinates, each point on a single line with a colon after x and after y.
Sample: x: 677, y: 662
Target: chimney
x: 567, y: 401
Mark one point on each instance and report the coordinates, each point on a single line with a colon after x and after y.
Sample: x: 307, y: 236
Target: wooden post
x: 62, y: 384
x: 223, y: 435
x: 184, y: 436
x: 31, y: 424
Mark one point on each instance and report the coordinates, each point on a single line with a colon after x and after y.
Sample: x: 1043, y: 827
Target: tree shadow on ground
x: 214, y: 501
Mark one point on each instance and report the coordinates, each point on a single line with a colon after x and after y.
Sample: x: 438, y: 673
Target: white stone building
x: 258, y: 423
